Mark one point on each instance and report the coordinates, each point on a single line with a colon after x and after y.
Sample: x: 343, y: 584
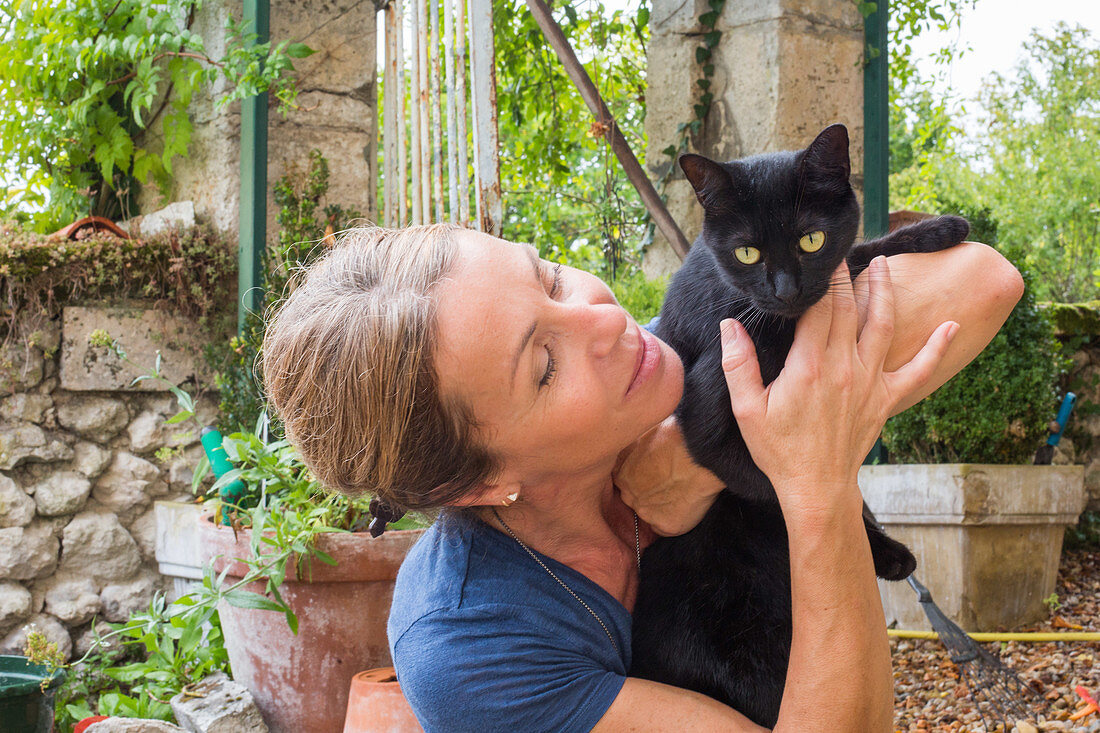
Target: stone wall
x: 784, y: 70
x: 335, y: 112
x: 78, y: 474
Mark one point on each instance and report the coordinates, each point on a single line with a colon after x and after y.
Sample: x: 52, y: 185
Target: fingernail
x: 952, y: 330
x: 729, y: 333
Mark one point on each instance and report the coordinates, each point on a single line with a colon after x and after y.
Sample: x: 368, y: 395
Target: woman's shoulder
x: 457, y: 567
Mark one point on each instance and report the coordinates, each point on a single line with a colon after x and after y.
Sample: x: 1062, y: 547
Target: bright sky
x: 995, y: 31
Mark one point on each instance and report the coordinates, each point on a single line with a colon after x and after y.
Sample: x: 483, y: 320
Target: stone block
x: 15, y: 605
x: 122, y: 599
x: 16, y: 508
x: 93, y: 417
x: 48, y: 626
x: 86, y: 640
x: 177, y: 215
x: 24, y: 442
x: 73, y: 600
x: 89, y: 460
x: 142, y: 333
x: 27, y: 552
x: 62, y: 493
x: 21, y: 367
x: 26, y: 407
x: 217, y: 704
x: 987, y: 538
x: 128, y: 485
x: 132, y: 725
x: 98, y: 546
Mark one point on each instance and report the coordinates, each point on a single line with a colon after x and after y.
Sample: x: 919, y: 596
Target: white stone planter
x: 178, y: 550
x: 987, y: 538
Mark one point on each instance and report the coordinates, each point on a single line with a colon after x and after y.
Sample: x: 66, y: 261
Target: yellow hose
x: 997, y: 636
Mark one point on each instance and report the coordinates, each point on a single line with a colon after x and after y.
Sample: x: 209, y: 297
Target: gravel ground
x: 929, y: 695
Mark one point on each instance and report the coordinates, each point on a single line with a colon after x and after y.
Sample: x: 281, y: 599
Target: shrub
x: 996, y: 410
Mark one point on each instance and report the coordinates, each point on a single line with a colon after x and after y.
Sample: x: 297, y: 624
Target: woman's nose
x: 605, y: 324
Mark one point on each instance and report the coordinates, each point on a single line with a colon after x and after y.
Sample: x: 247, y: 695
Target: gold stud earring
x: 510, y: 499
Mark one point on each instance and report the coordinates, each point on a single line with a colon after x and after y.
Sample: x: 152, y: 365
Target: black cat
x: 713, y: 612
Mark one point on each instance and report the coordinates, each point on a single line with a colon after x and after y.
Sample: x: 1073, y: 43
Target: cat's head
x: 779, y: 223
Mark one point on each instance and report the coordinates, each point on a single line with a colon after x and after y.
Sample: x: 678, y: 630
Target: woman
x: 445, y: 369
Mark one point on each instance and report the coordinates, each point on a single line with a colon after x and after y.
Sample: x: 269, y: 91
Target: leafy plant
x: 82, y: 81
x: 562, y: 186
x: 136, y: 667
x: 996, y: 409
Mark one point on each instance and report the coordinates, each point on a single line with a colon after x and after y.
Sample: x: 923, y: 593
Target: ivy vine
x: 704, y: 59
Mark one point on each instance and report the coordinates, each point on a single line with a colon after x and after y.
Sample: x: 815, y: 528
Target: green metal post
x: 876, y: 125
x: 253, y: 213
x: 876, y: 142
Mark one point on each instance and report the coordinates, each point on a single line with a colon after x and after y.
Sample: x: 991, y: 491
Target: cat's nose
x: 786, y: 287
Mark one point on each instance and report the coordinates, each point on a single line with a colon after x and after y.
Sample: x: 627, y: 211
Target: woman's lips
x: 649, y: 356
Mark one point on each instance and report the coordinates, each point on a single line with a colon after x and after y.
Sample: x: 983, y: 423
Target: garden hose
x: 232, y: 493
x: 1030, y: 636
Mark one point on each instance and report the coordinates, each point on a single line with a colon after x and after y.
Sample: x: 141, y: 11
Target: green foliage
x: 1044, y: 180
x: 136, y: 667
x: 562, y: 186
x: 1030, y: 166
x: 995, y: 410
x: 299, y: 195
x: 640, y: 296
x: 82, y: 81
x: 191, y: 271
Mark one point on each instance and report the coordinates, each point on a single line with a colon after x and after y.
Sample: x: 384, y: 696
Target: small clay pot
x: 376, y: 705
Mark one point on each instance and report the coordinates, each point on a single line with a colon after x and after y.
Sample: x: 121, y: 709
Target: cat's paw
x: 954, y: 229
x: 893, y: 560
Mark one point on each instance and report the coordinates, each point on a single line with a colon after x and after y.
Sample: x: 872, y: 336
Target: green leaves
x: 81, y: 81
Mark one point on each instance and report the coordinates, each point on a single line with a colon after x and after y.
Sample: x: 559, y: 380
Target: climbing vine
x: 704, y: 58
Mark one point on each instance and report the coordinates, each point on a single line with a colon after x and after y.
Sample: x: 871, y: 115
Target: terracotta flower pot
x: 301, y: 683
x: 376, y: 705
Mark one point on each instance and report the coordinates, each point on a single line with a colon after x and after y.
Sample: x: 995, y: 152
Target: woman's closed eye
x: 551, y: 363
x: 551, y: 368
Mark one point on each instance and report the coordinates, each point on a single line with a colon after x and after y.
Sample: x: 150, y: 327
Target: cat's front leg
x: 893, y: 560
x: 711, y: 432
x: 928, y: 235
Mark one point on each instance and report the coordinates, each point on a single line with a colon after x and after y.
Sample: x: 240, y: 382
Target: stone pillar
x: 336, y: 112
x: 784, y: 70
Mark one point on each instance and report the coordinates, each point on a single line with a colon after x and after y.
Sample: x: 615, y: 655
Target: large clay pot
x: 301, y: 683
x: 376, y: 705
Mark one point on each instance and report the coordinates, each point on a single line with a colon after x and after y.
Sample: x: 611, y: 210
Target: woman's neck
x: 584, y: 525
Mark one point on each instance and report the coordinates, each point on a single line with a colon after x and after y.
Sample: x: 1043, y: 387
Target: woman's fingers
x: 844, y: 327
x: 919, y: 369
x: 878, y: 333
x: 747, y: 394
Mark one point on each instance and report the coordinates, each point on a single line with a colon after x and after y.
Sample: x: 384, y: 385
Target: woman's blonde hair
x: 347, y: 366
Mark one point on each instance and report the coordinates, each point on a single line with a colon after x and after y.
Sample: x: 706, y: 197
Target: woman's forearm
x: 839, y: 676
x: 971, y: 284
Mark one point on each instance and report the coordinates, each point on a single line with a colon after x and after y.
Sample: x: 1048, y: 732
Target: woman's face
x: 559, y: 377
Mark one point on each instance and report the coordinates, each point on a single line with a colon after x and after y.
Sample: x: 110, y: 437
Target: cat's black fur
x: 713, y: 612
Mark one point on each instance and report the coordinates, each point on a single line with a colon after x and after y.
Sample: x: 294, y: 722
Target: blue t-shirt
x: 483, y: 639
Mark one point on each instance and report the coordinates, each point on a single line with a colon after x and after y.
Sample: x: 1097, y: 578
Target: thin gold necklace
x: 637, y: 555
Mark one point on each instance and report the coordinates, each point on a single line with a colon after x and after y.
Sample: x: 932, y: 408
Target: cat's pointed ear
x: 828, y: 153
x: 709, y: 179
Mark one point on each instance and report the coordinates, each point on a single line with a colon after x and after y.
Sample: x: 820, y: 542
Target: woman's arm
x: 970, y: 284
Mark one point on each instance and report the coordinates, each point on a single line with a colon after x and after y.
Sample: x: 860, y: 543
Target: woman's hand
x: 657, y: 478
x: 815, y: 423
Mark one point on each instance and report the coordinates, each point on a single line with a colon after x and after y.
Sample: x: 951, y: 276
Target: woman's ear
x: 499, y: 493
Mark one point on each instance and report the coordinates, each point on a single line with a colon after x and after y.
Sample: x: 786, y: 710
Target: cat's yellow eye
x: 812, y: 242
x: 747, y: 255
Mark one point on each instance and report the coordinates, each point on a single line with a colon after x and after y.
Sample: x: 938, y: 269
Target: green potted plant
x: 960, y: 491
x: 27, y: 686
x: 307, y: 555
